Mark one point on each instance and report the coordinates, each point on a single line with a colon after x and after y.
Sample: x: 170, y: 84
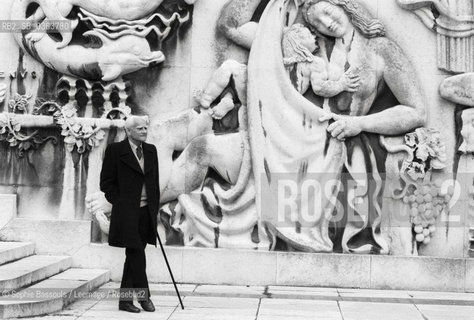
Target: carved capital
x: 453, y: 22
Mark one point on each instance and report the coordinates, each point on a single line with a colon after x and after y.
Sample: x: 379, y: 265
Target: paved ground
x: 204, y: 302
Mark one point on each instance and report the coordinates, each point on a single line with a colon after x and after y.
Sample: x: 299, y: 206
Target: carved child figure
x: 298, y: 46
x: 229, y: 71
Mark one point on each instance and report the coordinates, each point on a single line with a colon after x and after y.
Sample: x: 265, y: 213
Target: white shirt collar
x: 134, y: 146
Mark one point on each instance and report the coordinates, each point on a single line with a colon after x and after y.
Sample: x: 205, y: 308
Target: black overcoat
x: 121, y: 179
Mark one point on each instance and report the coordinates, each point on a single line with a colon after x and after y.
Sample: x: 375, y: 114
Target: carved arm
x: 234, y: 21
x: 441, y: 5
x: 399, y: 74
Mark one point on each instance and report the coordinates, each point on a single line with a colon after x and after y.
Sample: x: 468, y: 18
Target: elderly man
x: 129, y: 180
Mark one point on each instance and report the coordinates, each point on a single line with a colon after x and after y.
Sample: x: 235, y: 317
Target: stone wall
x: 52, y: 183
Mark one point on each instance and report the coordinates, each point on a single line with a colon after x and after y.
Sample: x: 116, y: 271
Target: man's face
x: 138, y: 131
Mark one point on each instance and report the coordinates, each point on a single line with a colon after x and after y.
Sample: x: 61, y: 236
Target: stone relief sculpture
x: 313, y: 137
x: 322, y: 87
x: 465, y: 153
x: 54, y: 10
x: 467, y: 132
x: 293, y: 133
x: 453, y: 21
x: 355, y: 118
x: 306, y: 69
x: 202, y: 209
x: 220, y: 212
x: 11, y: 130
x: 85, y: 53
x: 115, y: 58
x: 427, y: 199
x: 110, y: 37
x: 459, y: 89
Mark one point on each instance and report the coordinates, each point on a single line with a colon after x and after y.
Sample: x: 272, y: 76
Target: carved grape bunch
x: 427, y: 201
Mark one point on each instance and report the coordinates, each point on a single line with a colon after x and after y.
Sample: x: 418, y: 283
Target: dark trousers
x: 134, y: 277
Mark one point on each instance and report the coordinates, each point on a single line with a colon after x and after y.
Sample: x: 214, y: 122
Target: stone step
x: 52, y: 294
x: 11, y: 251
x: 29, y: 270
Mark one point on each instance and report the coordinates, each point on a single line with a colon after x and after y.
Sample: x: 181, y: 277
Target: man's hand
x: 343, y: 126
x: 104, y: 222
x: 98, y: 206
x: 96, y: 202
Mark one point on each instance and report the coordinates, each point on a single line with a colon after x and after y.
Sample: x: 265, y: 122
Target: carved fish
x: 106, y: 62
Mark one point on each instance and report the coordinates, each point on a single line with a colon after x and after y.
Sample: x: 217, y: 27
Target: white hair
x: 132, y: 120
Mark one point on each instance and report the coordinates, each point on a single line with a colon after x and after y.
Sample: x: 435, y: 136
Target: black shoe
x: 147, y: 305
x: 128, y: 306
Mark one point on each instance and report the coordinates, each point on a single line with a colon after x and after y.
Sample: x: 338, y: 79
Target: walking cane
x: 171, y: 273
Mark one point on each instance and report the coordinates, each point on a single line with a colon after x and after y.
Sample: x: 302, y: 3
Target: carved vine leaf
x: 12, y: 133
x: 77, y: 136
x: 416, y: 170
x: 429, y: 152
x: 426, y: 200
x: 46, y: 108
x: 19, y: 103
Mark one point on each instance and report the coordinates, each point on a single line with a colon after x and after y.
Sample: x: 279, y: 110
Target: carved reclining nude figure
x: 191, y: 134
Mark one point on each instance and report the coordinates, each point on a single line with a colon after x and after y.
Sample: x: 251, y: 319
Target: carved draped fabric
x: 288, y: 143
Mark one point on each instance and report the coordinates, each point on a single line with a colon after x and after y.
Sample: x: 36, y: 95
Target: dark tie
x: 139, y: 153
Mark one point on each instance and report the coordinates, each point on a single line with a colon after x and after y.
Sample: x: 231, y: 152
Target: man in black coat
x: 129, y: 179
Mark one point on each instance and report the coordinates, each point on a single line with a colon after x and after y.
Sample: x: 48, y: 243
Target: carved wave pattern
x: 158, y: 23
